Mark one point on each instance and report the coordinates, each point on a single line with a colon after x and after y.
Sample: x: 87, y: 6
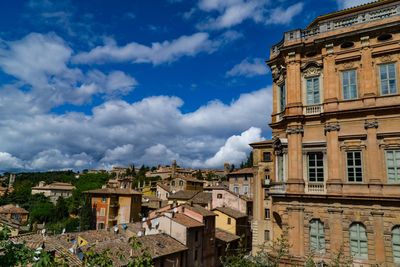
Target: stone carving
x: 295, y: 130
x: 364, y: 41
x: 329, y: 48
x: 371, y: 124
x: 332, y: 127
x: 386, y: 58
x: 278, y: 74
x: 348, y: 65
x: 312, y: 71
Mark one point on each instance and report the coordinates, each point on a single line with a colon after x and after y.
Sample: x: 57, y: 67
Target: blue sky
x: 92, y: 84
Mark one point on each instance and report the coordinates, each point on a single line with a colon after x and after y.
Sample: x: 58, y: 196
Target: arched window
x: 180, y: 183
x: 358, y: 241
x: 317, y: 236
x: 396, y: 243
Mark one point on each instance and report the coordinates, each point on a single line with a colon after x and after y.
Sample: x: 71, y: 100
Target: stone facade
x: 336, y: 136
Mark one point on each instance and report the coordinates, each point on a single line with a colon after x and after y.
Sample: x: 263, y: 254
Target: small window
x: 388, y: 79
x: 103, y: 199
x: 267, y: 214
x: 180, y: 183
x: 245, y: 189
x: 393, y: 166
x: 346, y: 45
x: 358, y: 241
x: 313, y: 92
x: 317, y: 236
x: 396, y: 243
x: 315, y: 167
x: 236, y: 189
x: 196, y: 236
x: 267, y: 156
x: 173, y: 183
x: 219, y: 195
x: 282, y: 98
x: 354, y: 166
x: 229, y: 220
x: 384, y: 37
x: 267, y: 236
x: 245, y: 178
x: 349, y: 84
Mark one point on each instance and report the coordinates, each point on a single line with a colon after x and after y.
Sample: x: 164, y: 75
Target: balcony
x: 277, y: 188
x: 313, y: 110
x: 316, y: 188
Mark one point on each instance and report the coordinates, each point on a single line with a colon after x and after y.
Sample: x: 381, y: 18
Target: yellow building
x: 115, y: 206
x: 336, y: 136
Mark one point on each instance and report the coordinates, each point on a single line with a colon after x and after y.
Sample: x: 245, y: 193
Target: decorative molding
x: 312, y: 71
x: 295, y: 130
x: 386, y: 58
x: 364, y: 41
x: 348, y: 65
x: 331, y: 127
x: 329, y: 48
x: 278, y: 74
x: 377, y: 213
x: 371, y: 124
x: 335, y: 210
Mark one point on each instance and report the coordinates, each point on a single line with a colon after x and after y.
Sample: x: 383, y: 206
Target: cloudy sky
x: 92, y: 84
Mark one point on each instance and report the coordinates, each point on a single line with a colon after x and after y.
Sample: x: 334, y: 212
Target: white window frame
x: 354, y: 167
x: 319, y: 238
x: 315, y: 167
x: 343, y: 73
x: 387, y: 80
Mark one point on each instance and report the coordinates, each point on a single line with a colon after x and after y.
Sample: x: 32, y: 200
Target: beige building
x: 336, y: 136
x: 15, y: 212
x: 115, y: 206
x: 241, y: 182
x: 54, y: 190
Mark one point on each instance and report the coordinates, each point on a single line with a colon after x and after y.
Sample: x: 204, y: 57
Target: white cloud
x: 157, y: 53
x: 285, y: 15
x: 120, y: 154
x: 42, y: 62
x: 236, y: 148
x: 235, y: 12
x: 54, y: 159
x: 249, y: 68
x: 342, y: 4
x: 9, y: 162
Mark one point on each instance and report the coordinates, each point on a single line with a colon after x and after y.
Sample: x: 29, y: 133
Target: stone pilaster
x: 336, y: 229
x: 374, y: 167
x: 334, y: 182
x: 295, y: 182
x: 296, y: 230
x: 379, y: 242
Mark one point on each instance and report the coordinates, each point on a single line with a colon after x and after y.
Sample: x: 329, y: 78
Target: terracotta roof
x: 56, y: 185
x: 114, y: 191
x: 202, y: 198
x: 225, y: 236
x: 200, y: 210
x: 161, y: 244
x: 231, y: 212
x: 164, y: 186
x: 189, y: 179
x: 4, y: 220
x: 186, y: 220
x: 243, y: 171
x: 183, y: 195
x: 11, y: 208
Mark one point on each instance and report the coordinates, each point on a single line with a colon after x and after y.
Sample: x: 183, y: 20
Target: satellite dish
x: 124, y: 226
x: 116, y: 229
x: 139, y: 234
x: 63, y: 231
x: 175, y: 210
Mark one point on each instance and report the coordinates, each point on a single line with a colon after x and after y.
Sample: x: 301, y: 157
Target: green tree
x: 42, y: 212
x: 86, y: 215
x: 61, y: 210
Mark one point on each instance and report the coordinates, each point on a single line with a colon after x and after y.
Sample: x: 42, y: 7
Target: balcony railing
x: 277, y: 188
x: 316, y: 188
x: 314, y: 109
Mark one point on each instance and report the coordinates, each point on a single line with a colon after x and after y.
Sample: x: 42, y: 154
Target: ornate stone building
x: 335, y: 181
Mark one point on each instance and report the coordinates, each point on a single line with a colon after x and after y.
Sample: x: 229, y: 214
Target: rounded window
x: 384, y: 37
x: 346, y: 45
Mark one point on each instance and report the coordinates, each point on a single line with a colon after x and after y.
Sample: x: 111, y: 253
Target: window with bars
x: 317, y: 236
x: 349, y: 84
x: 267, y: 236
x: 393, y: 166
x: 267, y: 214
x: 358, y: 241
x: 354, y: 166
x: 387, y: 73
x: 282, y: 97
x: 396, y: 243
x: 315, y: 166
x: 313, y: 92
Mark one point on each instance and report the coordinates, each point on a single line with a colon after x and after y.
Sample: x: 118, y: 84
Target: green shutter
x: 358, y: 241
x: 396, y: 244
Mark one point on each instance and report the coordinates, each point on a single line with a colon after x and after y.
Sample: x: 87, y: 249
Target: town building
x: 226, y: 244
x: 223, y: 197
x: 234, y: 222
x: 241, y: 182
x: 15, y: 212
x: 53, y: 190
x: 185, y: 183
x: 162, y: 191
x: 336, y: 137
x: 114, y: 206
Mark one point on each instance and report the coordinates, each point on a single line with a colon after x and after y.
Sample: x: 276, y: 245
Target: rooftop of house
x: 183, y: 195
x: 188, y: 178
x: 242, y: 171
x: 12, y: 209
x: 113, y: 191
x: 4, y: 220
x: 225, y: 236
x: 55, y: 186
x: 199, y: 209
x: 265, y: 143
x: 186, y: 220
x: 164, y: 186
x: 202, y: 198
x: 231, y: 212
